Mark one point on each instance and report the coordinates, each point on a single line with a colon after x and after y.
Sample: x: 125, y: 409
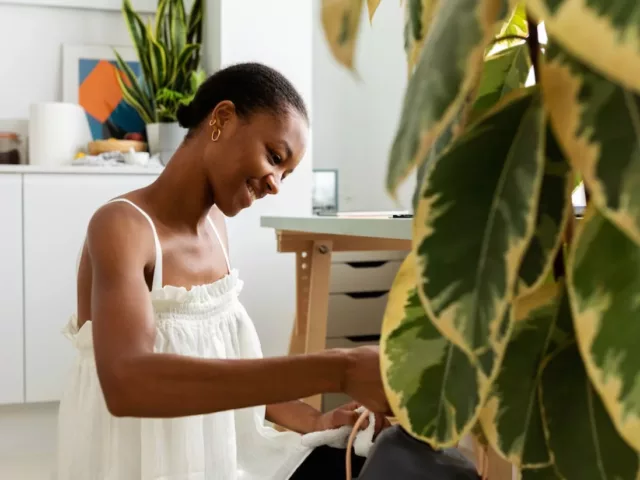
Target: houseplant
x: 510, y: 320
x: 169, y: 54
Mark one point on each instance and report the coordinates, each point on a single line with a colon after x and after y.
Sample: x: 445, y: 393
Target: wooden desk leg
x: 298, y: 340
x: 319, y: 271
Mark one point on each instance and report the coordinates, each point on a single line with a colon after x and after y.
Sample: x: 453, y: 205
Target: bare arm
x: 138, y: 382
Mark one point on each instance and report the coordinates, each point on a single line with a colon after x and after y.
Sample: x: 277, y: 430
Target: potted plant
x: 512, y: 320
x: 169, y: 55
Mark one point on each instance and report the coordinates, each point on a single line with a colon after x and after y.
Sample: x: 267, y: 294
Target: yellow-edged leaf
x: 341, y: 22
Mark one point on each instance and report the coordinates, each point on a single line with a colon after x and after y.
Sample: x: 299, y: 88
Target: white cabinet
x: 57, y: 209
x: 11, y: 290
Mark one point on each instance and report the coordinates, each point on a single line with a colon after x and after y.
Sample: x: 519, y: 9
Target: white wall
x: 354, y: 120
x: 276, y: 33
x: 31, y: 39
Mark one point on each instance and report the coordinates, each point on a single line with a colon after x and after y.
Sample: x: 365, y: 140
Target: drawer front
x: 331, y: 401
x: 363, y: 276
x: 356, y: 314
x: 389, y: 255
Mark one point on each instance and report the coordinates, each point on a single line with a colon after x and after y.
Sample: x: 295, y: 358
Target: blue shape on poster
x: 95, y: 126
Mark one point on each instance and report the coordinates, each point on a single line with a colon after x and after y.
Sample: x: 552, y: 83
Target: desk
x: 313, y: 240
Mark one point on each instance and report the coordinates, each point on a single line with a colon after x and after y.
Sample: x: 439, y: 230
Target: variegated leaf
x: 515, y: 27
x: 544, y: 473
x: 604, y: 283
x: 474, y: 220
x: 418, y: 15
x: 341, y: 22
x: 584, y: 442
x: 503, y: 73
x: 449, y: 67
x: 372, y: 6
x: 432, y: 387
x: 598, y: 123
x: 554, y: 211
x: 604, y: 34
x: 511, y: 417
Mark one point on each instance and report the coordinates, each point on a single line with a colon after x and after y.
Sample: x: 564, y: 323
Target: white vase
x: 164, y: 139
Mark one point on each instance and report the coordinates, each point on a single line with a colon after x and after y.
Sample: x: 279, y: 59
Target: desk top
x: 376, y: 227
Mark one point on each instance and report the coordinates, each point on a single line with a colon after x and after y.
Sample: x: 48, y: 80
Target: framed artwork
x: 325, y: 192
x: 141, y: 6
x: 89, y: 79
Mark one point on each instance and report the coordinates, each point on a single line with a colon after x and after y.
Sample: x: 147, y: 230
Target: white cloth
x: 339, y: 437
x: 206, y: 321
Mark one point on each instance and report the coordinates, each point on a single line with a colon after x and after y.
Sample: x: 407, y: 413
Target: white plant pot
x: 164, y: 139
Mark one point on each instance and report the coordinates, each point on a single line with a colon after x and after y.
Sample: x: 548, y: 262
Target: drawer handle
x: 359, y: 295
x: 363, y: 338
x: 370, y: 264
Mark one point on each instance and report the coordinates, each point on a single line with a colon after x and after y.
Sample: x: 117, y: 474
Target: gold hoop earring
x: 215, y: 135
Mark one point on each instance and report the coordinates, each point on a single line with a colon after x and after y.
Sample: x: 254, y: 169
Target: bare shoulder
x: 118, y: 233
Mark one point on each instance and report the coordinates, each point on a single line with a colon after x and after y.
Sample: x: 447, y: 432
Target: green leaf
x: 449, y: 68
x: 341, y: 22
x: 554, y: 211
x: 604, y: 34
x: 543, y: 473
x: 604, y: 283
x: 475, y: 218
x: 511, y: 417
x: 418, y: 15
x: 158, y: 61
x: 598, y: 123
x: 580, y: 434
x: 502, y: 74
x: 132, y: 92
x: 432, y: 387
x: 138, y: 33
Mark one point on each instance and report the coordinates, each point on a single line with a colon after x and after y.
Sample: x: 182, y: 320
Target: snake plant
x: 169, y: 55
x: 512, y: 320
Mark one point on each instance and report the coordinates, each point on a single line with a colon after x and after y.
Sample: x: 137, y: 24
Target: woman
x: 169, y: 382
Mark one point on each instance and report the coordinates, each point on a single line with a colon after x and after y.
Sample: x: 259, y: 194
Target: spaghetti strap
x: 224, y: 250
x: 156, y: 283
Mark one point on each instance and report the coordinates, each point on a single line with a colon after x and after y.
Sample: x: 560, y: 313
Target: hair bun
x: 184, y: 116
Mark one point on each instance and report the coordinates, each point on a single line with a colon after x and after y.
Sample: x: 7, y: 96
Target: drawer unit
x: 356, y: 313
x: 363, y: 276
x: 335, y: 400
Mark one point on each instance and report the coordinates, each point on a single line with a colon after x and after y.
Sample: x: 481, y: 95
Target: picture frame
x: 141, y: 6
x: 89, y: 79
x: 324, y: 194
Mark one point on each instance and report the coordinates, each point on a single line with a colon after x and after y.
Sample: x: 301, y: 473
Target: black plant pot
x: 396, y: 455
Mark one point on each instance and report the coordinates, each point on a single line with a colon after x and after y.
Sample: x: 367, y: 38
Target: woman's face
x: 248, y: 158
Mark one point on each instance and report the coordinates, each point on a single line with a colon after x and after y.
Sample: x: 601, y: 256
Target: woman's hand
x: 347, y: 415
x: 363, y: 381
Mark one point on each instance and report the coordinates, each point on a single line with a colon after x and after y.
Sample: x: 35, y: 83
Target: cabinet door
x: 57, y: 210
x: 11, y: 283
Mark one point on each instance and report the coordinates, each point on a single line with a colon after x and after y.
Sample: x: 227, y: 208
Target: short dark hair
x: 252, y: 87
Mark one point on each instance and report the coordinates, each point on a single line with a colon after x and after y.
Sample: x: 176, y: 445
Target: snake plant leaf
x: 603, y: 34
x: 449, y: 68
x: 554, y: 211
x: 584, y: 441
x: 158, y: 61
x: 511, y: 417
x: 341, y: 22
x: 598, y: 123
x: 474, y: 222
x: 432, y: 387
x: 418, y: 15
x: 372, y: 6
x: 138, y: 33
x: 604, y: 283
x: 160, y: 17
x: 177, y: 26
x: 503, y: 73
x: 132, y: 92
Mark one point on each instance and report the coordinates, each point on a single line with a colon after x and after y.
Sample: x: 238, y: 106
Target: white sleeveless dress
x: 206, y: 321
